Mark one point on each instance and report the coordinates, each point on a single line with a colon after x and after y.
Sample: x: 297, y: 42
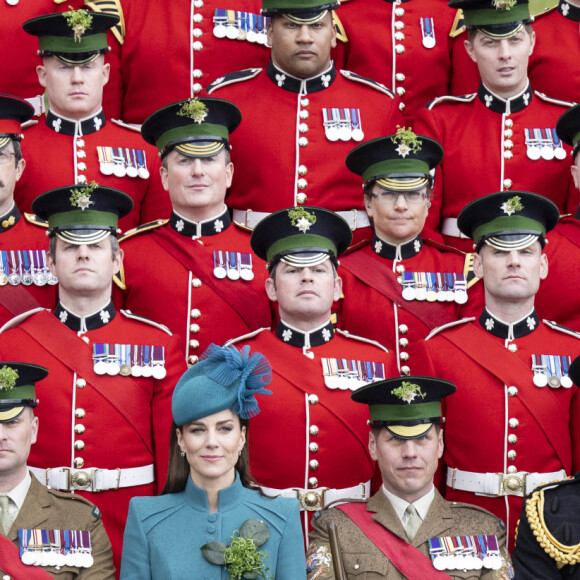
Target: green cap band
x: 390, y: 166
x: 177, y: 134
x: 481, y: 17
x: 81, y: 218
x: 405, y: 412
x: 508, y: 224
x: 88, y: 43
x: 300, y: 242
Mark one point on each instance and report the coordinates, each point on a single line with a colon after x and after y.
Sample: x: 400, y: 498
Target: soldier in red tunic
x: 75, y: 141
x: 315, y: 367
x: 107, y: 417
x: 206, y: 268
x: 319, y: 113
x: 515, y: 418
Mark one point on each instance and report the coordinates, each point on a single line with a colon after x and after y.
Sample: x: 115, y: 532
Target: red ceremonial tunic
x: 299, y: 164
x: 184, y: 30
x: 372, y: 276
x: 174, y: 264
x: 61, y: 152
x: 97, y: 421
x: 499, y: 421
x: 404, y: 45
x: 484, y: 139
x: 17, y: 235
x: 324, y: 434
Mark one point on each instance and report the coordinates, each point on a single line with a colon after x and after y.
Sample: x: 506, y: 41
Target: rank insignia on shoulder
x: 347, y: 374
x: 136, y: 360
x: 235, y: 77
x: 96, y: 513
x: 56, y: 548
x: 232, y: 265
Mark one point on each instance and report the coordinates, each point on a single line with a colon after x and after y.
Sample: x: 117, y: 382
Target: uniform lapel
x: 35, y: 509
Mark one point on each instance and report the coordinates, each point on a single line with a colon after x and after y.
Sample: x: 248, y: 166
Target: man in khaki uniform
x: 406, y: 530
x: 59, y: 532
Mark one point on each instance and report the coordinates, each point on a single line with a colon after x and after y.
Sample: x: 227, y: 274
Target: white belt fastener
x: 498, y: 484
x: 355, y: 218
x: 93, y: 479
x: 312, y: 500
x: 449, y: 228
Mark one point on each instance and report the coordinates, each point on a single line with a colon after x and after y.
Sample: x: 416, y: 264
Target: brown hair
x: 178, y: 470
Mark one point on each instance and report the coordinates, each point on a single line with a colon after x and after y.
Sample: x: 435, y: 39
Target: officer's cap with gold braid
x: 508, y: 220
x: 298, y: 11
x: 406, y: 406
x: 82, y: 214
x: 301, y: 236
x: 495, y: 18
x: 400, y: 162
x: 198, y: 127
x: 568, y: 128
x: 17, y: 382
x: 74, y: 37
x: 13, y: 112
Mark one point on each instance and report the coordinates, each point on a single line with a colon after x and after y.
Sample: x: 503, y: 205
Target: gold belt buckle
x: 81, y: 480
x: 512, y: 484
x: 311, y: 500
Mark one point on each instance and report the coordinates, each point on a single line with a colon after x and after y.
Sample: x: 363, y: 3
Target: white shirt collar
x: 422, y: 505
x: 18, y: 494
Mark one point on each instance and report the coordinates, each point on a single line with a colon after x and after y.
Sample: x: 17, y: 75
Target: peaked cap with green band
x: 17, y: 388
x: 198, y: 127
x: 13, y: 112
x: 508, y: 220
x: 568, y: 127
x: 302, y: 236
x: 82, y: 214
x: 299, y: 11
x: 495, y: 18
x: 406, y: 406
x: 402, y: 161
x: 75, y: 37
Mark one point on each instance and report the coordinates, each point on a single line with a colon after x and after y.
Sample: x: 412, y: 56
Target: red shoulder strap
x: 11, y: 564
x: 384, y: 281
x: 244, y: 303
x: 408, y: 560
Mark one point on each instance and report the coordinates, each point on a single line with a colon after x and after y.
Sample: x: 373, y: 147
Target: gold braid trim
x: 562, y: 554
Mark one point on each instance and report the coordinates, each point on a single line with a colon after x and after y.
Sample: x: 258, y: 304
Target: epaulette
x: 34, y: 219
x: 355, y: 247
x: 441, y: 246
x: 111, y: 7
x: 542, y: 10
x: 555, y: 326
x: 450, y: 99
x: 129, y: 314
x: 547, y: 99
x: 21, y: 317
x: 231, y: 78
x: 338, y: 27
x: 347, y: 334
x: 131, y: 127
x: 473, y: 507
x: 449, y: 325
x: 470, y: 278
x: 31, y: 122
x: 458, y: 25
x: 347, y: 74
x: 245, y: 336
x: 142, y: 228
x: 95, y: 511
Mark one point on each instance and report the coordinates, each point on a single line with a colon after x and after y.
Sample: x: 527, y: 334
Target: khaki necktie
x: 414, y: 521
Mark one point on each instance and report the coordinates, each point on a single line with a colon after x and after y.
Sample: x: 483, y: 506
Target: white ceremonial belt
x: 496, y: 484
x: 93, y: 479
x: 449, y: 228
x: 315, y: 499
x: 355, y: 218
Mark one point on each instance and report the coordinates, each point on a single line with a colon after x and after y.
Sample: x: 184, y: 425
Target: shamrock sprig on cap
x: 79, y: 20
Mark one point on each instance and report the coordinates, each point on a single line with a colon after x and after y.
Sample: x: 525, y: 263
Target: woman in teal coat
x: 212, y: 522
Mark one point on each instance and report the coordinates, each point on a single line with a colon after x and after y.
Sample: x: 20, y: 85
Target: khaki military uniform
x: 363, y: 560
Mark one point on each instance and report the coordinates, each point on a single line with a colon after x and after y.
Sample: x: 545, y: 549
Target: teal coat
x: 164, y: 534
